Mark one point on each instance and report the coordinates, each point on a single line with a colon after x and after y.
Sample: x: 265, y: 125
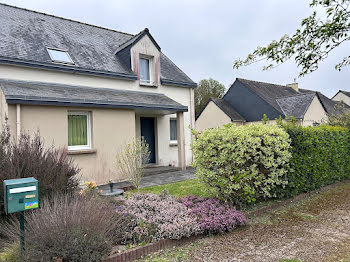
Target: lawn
x: 179, y: 189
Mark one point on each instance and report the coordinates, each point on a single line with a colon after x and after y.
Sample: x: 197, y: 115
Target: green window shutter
x: 77, y: 130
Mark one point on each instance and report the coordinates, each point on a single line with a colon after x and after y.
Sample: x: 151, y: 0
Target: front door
x: 147, y: 132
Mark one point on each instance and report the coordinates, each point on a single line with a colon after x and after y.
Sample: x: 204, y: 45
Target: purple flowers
x: 176, y: 218
x: 212, y: 215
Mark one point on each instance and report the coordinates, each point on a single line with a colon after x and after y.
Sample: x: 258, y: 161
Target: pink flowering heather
x: 213, y: 216
x: 171, y: 217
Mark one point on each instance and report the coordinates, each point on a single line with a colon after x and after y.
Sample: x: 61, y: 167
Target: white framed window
x: 60, y: 56
x: 173, y: 131
x: 79, y: 130
x: 145, y: 64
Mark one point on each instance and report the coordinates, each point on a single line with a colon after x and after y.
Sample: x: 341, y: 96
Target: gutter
x: 70, y: 69
x: 176, y: 83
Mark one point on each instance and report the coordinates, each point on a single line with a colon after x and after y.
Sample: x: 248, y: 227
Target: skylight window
x: 60, y: 56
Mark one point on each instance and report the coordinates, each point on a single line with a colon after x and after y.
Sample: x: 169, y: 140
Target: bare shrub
x: 52, y: 167
x: 131, y: 160
x: 71, y: 227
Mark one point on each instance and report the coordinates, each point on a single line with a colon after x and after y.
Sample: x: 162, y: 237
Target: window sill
x: 173, y: 143
x: 82, y: 151
x: 148, y: 85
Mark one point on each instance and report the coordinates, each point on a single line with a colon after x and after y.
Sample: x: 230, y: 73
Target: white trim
x: 173, y: 142
x: 88, y: 131
x: 22, y: 189
x: 59, y: 61
x: 150, y: 68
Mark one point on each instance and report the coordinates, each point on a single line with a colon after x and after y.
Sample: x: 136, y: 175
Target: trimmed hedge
x: 242, y: 164
x: 320, y: 156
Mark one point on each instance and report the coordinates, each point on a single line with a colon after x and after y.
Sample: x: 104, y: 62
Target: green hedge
x: 242, y: 164
x: 320, y: 156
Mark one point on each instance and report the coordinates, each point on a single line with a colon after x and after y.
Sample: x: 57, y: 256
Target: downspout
x: 18, y: 122
x: 192, y: 116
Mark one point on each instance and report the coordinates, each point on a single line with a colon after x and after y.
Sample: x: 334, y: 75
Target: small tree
x: 341, y: 117
x: 131, y: 160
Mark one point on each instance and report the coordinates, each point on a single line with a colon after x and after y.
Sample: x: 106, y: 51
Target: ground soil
x: 315, y: 229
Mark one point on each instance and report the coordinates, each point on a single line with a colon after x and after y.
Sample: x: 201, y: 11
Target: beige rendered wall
x: 315, y: 113
x: 111, y: 128
x: 167, y: 153
x: 212, y: 116
x: 342, y: 97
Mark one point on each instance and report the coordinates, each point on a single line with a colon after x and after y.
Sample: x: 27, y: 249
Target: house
x: 92, y: 90
x: 247, y: 101
x: 342, y: 95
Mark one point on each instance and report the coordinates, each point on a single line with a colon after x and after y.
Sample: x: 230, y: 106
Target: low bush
x: 320, y: 156
x: 55, y: 171
x: 170, y: 217
x: 74, y: 228
x: 242, y: 164
x: 213, y: 216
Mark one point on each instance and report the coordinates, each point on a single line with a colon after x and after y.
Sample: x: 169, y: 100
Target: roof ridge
x: 260, y: 82
x: 67, y: 19
x: 311, y: 93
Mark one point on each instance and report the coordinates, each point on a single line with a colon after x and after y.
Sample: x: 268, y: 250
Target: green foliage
x: 325, y: 29
x: 320, y: 156
x: 179, y: 189
x: 341, y: 117
x: 265, y: 120
x: 242, y: 164
x: 207, y: 89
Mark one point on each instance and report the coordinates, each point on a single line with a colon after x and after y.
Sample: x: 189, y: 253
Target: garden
x: 237, y: 169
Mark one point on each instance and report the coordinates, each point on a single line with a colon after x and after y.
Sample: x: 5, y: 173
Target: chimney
x: 294, y: 86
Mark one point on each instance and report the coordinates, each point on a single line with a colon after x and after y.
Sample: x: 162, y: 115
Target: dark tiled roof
x: 345, y: 92
x: 284, y: 99
x: 227, y: 109
x: 25, y: 35
x: 269, y: 92
x: 296, y: 105
x: 55, y: 94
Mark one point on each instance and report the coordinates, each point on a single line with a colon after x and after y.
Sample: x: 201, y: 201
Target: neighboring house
x: 247, y: 101
x: 92, y: 90
x: 342, y: 96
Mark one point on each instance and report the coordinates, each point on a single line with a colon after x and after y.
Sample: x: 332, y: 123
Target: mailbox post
x: 21, y: 195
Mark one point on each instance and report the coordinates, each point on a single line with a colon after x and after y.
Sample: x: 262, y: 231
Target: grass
x: 179, y: 189
x: 171, y: 255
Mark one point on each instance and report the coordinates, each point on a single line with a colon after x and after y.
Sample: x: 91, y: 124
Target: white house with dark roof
x: 92, y: 90
x: 343, y: 96
x: 247, y: 101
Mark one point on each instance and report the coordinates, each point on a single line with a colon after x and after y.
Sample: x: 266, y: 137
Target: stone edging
x: 138, y: 252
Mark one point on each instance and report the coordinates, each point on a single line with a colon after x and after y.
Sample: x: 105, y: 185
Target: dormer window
x: 145, y: 70
x: 60, y: 56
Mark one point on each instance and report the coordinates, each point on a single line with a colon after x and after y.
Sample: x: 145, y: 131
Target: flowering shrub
x: 171, y: 218
x: 242, y: 164
x: 213, y: 216
x: 90, y: 188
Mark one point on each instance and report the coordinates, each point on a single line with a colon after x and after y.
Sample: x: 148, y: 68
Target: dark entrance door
x: 147, y: 131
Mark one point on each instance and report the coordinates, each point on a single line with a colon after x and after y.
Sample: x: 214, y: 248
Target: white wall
x: 315, y: 113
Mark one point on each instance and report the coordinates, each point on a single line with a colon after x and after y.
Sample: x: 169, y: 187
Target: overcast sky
x: 204, y: 37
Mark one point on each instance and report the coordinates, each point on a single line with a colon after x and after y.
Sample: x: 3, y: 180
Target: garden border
x: 138, y: 252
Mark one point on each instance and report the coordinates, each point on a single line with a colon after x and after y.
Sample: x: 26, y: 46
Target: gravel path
x: 317, y: 229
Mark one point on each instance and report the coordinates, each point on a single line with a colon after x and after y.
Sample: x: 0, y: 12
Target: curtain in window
x: 173, y: 130
x: 77, y: 130
x: 144, y: 70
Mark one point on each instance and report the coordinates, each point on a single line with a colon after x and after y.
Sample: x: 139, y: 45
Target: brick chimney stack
x: 294, y: 86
